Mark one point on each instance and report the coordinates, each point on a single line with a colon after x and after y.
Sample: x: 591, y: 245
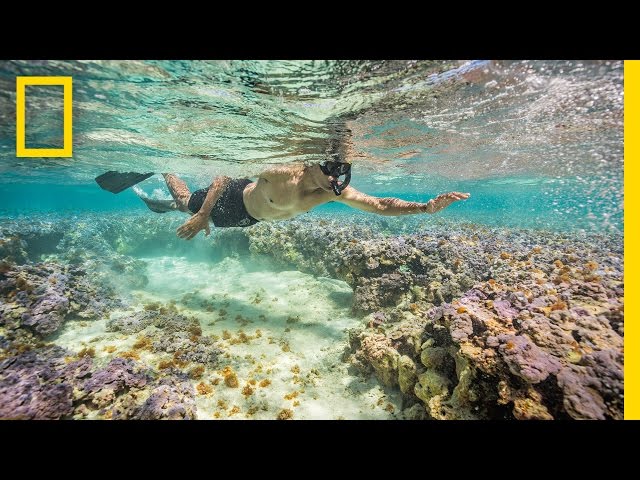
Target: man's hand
x: 191, y: 227
x: 444, y: 200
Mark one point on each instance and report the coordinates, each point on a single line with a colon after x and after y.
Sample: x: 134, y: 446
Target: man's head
x: 334, y: 170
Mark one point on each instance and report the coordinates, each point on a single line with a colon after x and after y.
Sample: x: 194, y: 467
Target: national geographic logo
x: 21, y: 149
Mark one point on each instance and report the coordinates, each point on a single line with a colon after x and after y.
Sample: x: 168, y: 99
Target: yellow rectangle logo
x: 21, y: 149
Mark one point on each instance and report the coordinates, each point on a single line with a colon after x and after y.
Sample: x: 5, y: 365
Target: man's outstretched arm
x: 394, y: 206
x: 200, y: 221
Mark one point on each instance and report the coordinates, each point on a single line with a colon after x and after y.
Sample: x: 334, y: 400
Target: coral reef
x: 12, y: 249
x: 172, y: 399
x: 176, y: 334
x: 382, y: 270
x: 42, y: 384
x: 42, y: 296
x: 188, y: 348
x: 166, y: 319
x: 468, y: 322
x: 118, y: 376
x: 541, y: 340
x: 39, y: 384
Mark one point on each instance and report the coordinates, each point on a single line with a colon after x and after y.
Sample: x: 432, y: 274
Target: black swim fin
x: 116, y: 182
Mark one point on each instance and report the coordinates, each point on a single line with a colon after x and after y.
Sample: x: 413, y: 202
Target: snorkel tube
x: 335, y: 170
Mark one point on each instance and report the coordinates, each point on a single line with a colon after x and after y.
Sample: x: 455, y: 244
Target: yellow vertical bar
x: 631, y: 256
x: 20, y: 120
x: 68, y: 118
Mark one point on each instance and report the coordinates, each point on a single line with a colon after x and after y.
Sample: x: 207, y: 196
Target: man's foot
x: 155, y: 205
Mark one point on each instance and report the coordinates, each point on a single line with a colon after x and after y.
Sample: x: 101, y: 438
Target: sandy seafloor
x: 106, y: 316
x: 302, y: 339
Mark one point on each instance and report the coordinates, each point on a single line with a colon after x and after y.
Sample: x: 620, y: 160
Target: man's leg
x: 179, y: 191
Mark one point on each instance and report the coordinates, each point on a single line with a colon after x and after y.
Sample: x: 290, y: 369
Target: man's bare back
x: 284, y: 192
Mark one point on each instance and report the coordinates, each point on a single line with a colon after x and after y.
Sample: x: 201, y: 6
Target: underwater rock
x: 38, y: 384
x: 406, y: 374
x: 47, y: 314
x: 133, y: 323
x: 594, y: 391
x: 379, y: 352
x: 173, y: 399
x: 382, y: 270
x: 12, y: 249
x: 42, y: 296
x: 163, y: 318
x: 118, y: 376
x: 45, y: 383
x: 539, y: 337
x: 179, y: 335
x: 374, y: 293
x: 187, y: 347
x: 469, y: 322
x: 97, y: 243
x: 525, y: 359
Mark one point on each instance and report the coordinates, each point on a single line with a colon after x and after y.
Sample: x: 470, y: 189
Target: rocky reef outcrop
x: 468, y: 322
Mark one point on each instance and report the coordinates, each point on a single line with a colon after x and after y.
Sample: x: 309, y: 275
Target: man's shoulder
x: 280, y: 171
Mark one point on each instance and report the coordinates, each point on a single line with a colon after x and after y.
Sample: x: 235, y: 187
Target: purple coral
x: 119, y: 374
x: 525, y: 359
x: 173, y: 399
x: 38, y: 384
x: 47, y: 314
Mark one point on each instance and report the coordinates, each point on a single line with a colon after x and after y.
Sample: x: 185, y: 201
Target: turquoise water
x: 537, y: 144
x: 509, y: 305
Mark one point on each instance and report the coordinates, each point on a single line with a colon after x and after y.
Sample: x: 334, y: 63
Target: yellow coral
x: 247, y: 390
x: 230, y: 377
x: 291, y: 396
x: 285, y: 414
x: 87, y: 352
x: 196, y: 372
x: 180, y: 363
x: 559, y: 305
x: 130, y: 354
x: 204, y: 388
x: 143, y: 343
x: 164, y: 364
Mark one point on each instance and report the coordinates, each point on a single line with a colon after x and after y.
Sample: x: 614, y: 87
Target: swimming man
x: 279, y: 193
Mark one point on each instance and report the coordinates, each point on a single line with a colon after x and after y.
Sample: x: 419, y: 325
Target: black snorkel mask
x: 335, y: 170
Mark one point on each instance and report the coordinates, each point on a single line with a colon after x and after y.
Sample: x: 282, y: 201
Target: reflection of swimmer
x: 279, y: 193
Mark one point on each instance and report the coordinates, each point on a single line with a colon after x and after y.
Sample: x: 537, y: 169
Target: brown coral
x: 285, y: 414
x: 87, y: 352
x: 230, y: 377
x: 204, y: 388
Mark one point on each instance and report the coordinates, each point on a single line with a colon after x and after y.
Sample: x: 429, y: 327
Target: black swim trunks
x: 229, y: 210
